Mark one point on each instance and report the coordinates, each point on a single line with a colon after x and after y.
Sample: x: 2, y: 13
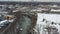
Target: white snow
x: 50, y: 18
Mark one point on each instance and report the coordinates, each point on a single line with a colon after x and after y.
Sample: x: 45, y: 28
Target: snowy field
x: 49, y: 18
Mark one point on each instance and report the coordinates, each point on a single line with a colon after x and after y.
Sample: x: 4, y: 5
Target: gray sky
x: 35, y: 0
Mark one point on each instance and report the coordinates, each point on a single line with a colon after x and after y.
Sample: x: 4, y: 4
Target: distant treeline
x: 29, y: 3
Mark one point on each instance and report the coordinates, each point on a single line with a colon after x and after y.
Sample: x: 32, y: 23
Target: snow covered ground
x: 49, y: 18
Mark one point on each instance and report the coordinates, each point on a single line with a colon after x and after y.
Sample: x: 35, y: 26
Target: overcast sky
x: 35, y: 0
